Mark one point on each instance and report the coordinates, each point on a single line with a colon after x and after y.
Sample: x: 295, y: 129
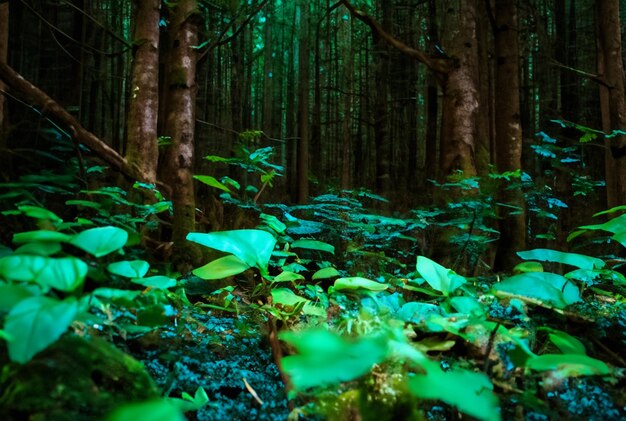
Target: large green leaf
x: 37, y: 322
x: 39, y: 213
x: 287, y: 276
x: 156, y: 282
x: 574, y: 259
x: 100, y: 241
x: 41, y: 235
x: 471, y: 392
x: 39, y: 248
x: 568, y: 365
x: 11, y: 295
x: 129, y: 268
x: 313, y: 245
x: 325, y: 273
x: 254, y: 247
x: 155, y: 410
x: 358, y: 283
x: 438, y: 277
x: 221, y: 268
x: 325, y: 358
x: 287, y: 298
x: 63, y: 273
x: 211, y: 181
x: 566, y: 343
x: 550, y: 288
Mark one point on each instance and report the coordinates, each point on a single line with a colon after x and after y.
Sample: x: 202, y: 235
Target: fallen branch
x: 49, y: 106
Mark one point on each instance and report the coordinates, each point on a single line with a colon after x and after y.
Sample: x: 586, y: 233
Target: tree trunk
x: 460, y: 97
x: 142, y: 146
x: 508, y: 131
x: 611, y: 67
x: 303, y: 105
x: 4, y: 51
x: 346, y: 52
x: 180, y: 126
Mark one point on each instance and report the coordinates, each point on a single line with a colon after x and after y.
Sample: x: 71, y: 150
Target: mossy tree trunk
x: 141, y: 145
x: 180, y: 118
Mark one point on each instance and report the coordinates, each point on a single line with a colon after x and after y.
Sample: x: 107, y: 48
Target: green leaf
x: 39, y: 213
x: 325, y: 358
x: 211, y: 181
x: 156, y: 282
x: 287, y: 298
x: 286, y: 276
x: 569, y: 365
x: 356, y: 283
x: 121, y: 296
x: 11, y: 295
x: 254, y: 247
x: 37, y: 322
x: 39, y: 248
x: 438, y: 277
x: 313, y: 245
x: 325, y: 273
x: 566, y: 343
x: 274, y: 223
x: 63, y: 273
x: 41, y: 235
x: 574, y: 259
x: 100, y: 241
x: 550, y: 288
x: 472, y: 393
x: 155, y: 410
x: 221, y: 268
x: 129, y: 268
x: 525, y: 267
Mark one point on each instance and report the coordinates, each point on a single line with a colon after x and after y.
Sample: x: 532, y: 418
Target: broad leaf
x: 100, y: 241
x: 11, y: 295
x: 313, y: 245
x: 155, y: 410
x: 566, y: 343
x: 325, y: 358
x: 550, y: 288
x: 574, y: 259
x: 37, y: 322
x: 39, y: 248
x: 221, y: 268
x: 254, y: 247
x: 129, y: 268
x: 357, y: 283
x: 472, y: 393
x: 41, y: 235
x: 211, y: 181
x: 288, y: 298
x: 156, y: 282
x: 325, y: 273
x: 286, y: 276
x: 63, y: 273
x: 39, y: 213
x: 568, y: 365
x: 438, y: 277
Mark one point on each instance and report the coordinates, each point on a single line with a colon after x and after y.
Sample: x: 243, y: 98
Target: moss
x: 76, y: 378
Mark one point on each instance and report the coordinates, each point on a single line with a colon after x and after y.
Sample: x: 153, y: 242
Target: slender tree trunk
x: 142, y: 146
x: 180, y: 126
x: 303, y: 104
x: 4, y: 51
x: 460, y: 97
x: 611, y: 67
x: 346, y: 158
x: 432, y: 100
x: 508, y: 130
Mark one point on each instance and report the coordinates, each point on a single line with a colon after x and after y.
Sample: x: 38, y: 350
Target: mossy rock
x: 74, y: 379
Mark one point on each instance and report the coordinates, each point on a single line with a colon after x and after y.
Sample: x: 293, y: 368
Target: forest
x: 312, y: 210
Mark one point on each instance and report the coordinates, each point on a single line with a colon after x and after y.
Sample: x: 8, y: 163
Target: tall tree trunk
x: 180, y: 126
x: 142, y: 146
x: 4, y: 51
x: 611, y: 67
x: 432, y: 100
x: 381, y: 106
x: 346, y: 158
x: 508, y: 130
x: 460, y: 97
x: 303, y: 104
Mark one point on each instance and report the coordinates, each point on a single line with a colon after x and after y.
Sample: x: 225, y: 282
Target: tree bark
x: 460, y: 97
x: 142, y: 146
x: 180, y: 126
x: 4, y: 51
x: 303, y: 105
x: 49, y: 106
x: 610, y: 65
x: 508, y: 130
